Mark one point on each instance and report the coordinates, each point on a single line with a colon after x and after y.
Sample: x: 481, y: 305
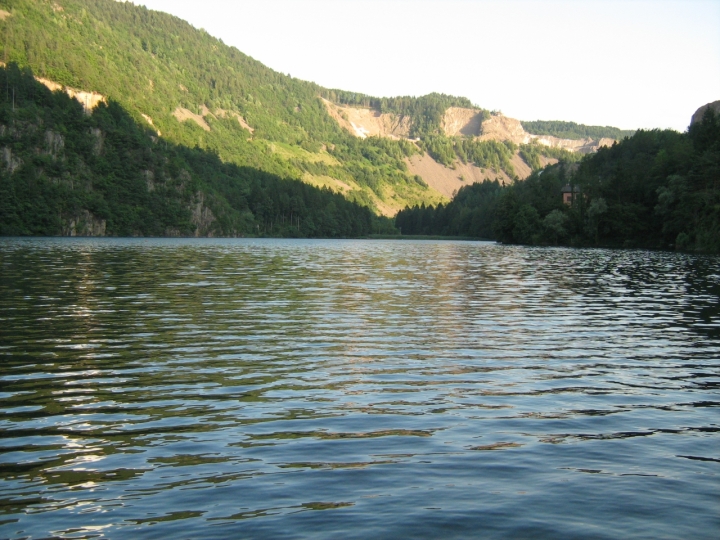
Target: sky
x: 625, y: 63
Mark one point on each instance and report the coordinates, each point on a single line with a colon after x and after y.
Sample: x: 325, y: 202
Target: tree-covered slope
x: 194, y: 91
x: 571, y: 130
x: 155, y: 65
x: 64, y: 172
x: 657, y: 189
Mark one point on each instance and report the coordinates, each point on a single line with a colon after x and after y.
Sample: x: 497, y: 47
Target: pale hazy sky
x: 625, y: 63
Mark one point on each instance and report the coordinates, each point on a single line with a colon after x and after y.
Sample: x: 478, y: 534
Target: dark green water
x: 356, y: 389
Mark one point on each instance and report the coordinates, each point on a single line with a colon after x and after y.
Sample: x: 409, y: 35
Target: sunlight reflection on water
x: 223, y: 388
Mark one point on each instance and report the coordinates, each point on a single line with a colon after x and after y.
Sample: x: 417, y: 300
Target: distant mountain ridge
x: 191, y: 89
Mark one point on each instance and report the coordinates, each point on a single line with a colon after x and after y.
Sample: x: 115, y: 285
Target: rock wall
x: 368, y: 122
x: 457, y: 121
x: 84, y: 224
x: 698, y: 116
x: 89, y: 100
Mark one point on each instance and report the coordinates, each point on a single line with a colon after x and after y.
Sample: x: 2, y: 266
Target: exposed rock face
x: 368, y: 122
x: 502, y: 128
x: 11, y: 162
x: 183, y: 114
x: 698, y: 116
x: 222, y: 113
x: 150, y: 121
x: 89, y: 100
x: 54, y: 143
x: 448, y: 181
x: 458, y: 121
x: 202, y: 217
x: 84, y: 224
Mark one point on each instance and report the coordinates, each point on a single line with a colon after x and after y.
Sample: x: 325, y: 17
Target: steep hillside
x: 449, y: 141
x: 65, y: 170
x: 655, y: 189
x: 192, y: 90
x: 195, y: 91
x: 502, y: 128
x: 571, y: 130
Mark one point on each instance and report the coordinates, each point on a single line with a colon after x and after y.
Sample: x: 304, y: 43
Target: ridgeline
x: 656, y: 189
x: 66, y: 172
x: 189, y: 98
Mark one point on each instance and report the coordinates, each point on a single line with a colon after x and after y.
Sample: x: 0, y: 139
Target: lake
x: 163, y: 388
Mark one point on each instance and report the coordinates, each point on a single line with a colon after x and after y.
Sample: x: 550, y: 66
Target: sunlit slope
x: 194, y: 90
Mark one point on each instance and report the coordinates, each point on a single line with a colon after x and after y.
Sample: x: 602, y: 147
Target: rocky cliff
x: 698, y: 116
x: 456, y: 121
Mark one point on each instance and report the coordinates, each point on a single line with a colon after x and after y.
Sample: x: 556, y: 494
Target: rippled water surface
x: 356, y: 389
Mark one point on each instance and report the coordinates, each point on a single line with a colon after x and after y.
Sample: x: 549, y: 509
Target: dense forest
x: 194, y: 137
x: 66, y: 172
x: 571, y: 130
x: 655, y: 189
x: 196, y: 91
x: 154, y: 64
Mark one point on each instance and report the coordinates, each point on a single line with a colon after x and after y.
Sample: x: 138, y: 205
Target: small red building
x: 570, y: 194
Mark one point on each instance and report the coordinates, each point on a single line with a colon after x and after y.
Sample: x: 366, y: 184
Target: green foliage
x: 571, y: 130
x: 470, y: 213
x: 151, y: 63
x: 485, y: 154
x: 532, y: 153
x: 656, y: 189
x: 67, y: 172
x: 425, y: 112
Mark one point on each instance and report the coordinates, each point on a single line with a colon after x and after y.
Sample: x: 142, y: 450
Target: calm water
x: 356, y: 389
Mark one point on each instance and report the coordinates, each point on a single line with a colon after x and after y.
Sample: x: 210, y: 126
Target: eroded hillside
x: 192, y: 90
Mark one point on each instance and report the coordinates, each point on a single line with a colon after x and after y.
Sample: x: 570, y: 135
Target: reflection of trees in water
x: 132, y: 355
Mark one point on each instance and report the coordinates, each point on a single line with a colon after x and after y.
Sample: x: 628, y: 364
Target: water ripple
x: 265, y: 388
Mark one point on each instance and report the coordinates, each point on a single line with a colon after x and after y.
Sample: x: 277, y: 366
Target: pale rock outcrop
x: 54, y: 143
x: 84, y: 224
x: 150, y: 121
x: 460, y: 121
x: 502, y: 128
x: 202, y: 217
x: 11, y: 162
x: 89, y: 100
x: 457, y: 121
x: 363, y: 122
x: 183, y: 114
x: 222, y: 113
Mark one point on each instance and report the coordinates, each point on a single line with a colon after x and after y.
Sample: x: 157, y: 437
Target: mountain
x: 655, y: 189
x: 700, y: 113
x: 191, y: 90
x: 66, y: 172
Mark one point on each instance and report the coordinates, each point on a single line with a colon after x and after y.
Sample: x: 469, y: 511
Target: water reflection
x: 356, y: 388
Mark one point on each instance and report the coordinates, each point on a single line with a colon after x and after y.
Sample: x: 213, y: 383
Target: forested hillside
x: 656, y: 189
x: 571, y: 130
x: 196, y: 91
x: 208, y: 136
x: 64, y: 172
